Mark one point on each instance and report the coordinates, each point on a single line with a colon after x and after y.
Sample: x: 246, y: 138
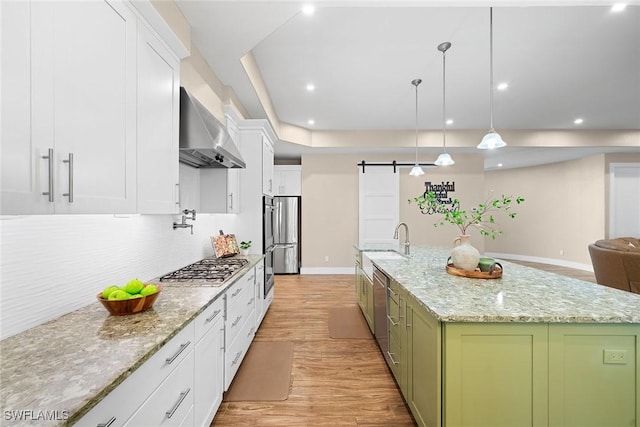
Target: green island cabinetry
x: 531, y: 349
x: 364, y: 293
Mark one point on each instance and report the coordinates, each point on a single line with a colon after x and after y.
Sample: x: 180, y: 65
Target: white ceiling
x: 561, y: 62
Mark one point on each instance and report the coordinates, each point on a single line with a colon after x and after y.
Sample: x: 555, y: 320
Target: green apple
x: 136, y: 296
x: 134, y: 286
x: 108, y: 290
x: 149, y: 289
x: 119, y: 295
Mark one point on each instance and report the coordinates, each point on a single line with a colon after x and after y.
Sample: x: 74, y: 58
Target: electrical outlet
x: 618, y: 357
x: 326, y: 258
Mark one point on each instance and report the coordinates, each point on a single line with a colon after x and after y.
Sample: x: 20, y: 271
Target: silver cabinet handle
x: 49, y: 191
x: 253, y: 329
x: 391, y: 357
x: 213, y: 316
x: 170, y: 360
x: 251, y: 301
x: 235, y: 322
x: 108, y: 423
x: 237, y: 291
x: 231, y: 201
x: 177, y: 195
x: 172, y: 411
x: 70, y: 193
x: 235, y: 360
x: 392, y: 322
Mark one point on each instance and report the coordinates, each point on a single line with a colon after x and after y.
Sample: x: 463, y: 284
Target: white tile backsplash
x: 51, y: 265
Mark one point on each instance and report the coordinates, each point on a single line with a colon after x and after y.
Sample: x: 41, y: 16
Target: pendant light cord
x: 416, y: 82
x: 444, y: 131
x: 491, y: 68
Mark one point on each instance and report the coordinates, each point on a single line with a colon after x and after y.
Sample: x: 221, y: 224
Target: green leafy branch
x: 481, y: 217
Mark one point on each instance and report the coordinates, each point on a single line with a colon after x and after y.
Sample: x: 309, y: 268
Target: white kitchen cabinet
x: 233, y: 175
x: 267, y: 166
x: 259, y: 292
x: 287, y: 180
x: 158, y: 126
x: 83, y: 103
x: 209, y: 363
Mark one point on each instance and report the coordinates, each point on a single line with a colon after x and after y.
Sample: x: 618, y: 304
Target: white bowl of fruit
x: 134, y: 297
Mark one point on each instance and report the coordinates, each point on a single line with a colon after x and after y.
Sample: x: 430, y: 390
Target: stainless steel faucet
x: 406, y: 243
x: 184, y: 224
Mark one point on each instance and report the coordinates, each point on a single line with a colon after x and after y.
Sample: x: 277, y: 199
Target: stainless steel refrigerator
x: 286, y: 235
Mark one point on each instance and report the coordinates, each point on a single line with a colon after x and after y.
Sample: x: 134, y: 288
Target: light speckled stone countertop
x: 523, y: 294
x: 71, y: 363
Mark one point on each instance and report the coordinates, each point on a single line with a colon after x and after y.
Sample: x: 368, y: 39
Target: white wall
x: 53, y: 264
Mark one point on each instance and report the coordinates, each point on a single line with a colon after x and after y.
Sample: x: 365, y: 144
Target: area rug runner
x: 348, y: 322
x: 265, y: 373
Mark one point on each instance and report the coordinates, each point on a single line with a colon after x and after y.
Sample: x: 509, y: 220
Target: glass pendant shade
x: 444, y: 159
x: 416, y: 170
x: 491, y: 140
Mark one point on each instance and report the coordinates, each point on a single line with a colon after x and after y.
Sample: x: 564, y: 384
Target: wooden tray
x: 477, y: 274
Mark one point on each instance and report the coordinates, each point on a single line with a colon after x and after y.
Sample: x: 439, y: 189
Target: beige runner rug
x: 265, y: 373
x: 348, y: 322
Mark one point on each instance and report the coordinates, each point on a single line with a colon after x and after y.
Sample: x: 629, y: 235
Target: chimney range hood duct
x: 204, y: 141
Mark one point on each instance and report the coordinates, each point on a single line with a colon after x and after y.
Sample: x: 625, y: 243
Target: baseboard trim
x: 328, y: 270
x: 551, y: 261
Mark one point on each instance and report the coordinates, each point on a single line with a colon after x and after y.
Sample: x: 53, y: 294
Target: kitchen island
x: 57, y: 372
x: 531, y: 348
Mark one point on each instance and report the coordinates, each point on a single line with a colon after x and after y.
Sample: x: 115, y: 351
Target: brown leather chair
x: 616, y: 263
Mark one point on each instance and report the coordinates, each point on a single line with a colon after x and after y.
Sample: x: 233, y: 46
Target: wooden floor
x: 336, y: 382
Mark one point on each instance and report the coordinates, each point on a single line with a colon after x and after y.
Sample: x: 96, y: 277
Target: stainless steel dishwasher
x: 380, y: 285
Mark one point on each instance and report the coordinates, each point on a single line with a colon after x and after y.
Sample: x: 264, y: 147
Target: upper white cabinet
x: 89, y: 111
x: 287, y: 180
x: 158, y: 125
x: 267, y: 166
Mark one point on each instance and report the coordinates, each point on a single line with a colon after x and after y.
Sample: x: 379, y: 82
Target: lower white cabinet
x: 209, y: 363
x: 171, y: 402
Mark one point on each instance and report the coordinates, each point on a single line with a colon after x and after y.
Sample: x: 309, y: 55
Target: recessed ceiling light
x: 503, y: 86
x: 311, y: 87
x: 308, y: 9
x: 449, y: 121
x: 311, y: 122
x: 578, y: 121
x: 618, y: 7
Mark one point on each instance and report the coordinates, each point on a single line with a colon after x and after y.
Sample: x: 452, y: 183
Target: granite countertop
x: 522, y: 294
x: 71, y: 363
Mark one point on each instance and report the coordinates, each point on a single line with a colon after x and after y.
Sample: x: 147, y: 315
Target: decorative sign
x: 441, y: 191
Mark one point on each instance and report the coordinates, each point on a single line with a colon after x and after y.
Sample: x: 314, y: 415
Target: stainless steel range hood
x: 204, y: 141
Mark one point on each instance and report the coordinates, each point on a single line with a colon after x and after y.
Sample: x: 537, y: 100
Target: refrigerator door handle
x: 284, y: 245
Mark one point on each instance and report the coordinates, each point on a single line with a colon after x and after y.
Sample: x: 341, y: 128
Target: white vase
x: 244, y: 252
x: 463, y: 255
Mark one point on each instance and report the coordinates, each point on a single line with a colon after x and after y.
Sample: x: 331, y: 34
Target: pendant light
x: 416, y: 170
x: 492, y: 139
x: 444, y: 159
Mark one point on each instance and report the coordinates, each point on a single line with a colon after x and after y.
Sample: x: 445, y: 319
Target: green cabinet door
x: 495, y: 374
x: 424, y: 349
x: 594, y: 372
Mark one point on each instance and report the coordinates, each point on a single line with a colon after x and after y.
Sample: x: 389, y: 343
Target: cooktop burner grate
x: 209, y: 270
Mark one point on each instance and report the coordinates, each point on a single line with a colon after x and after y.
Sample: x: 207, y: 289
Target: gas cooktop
x: 209, y: 270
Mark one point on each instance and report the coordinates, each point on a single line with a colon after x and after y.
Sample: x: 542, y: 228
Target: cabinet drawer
x: 123, y: 401
x: 208, y: 317
x: 238, y: 313
x: 171, y: 402
x: 236, y: 290
x: 235, y: 353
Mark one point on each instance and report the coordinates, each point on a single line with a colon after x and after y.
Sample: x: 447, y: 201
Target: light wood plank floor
x: 338, y: 382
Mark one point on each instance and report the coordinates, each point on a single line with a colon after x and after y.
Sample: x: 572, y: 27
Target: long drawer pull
x: 172, y: 411
x: 235, y: 360
x: 49, y: 191
x: 108, y: 423
x: 214, y: 315
x: 251, y: 301
x: 392, y: 322
x: 391, y: 358
x: 251, y: 331
x: 236, y: 292
x: 235, y: 322
x: 70, y: 193
x: 170, y: 360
